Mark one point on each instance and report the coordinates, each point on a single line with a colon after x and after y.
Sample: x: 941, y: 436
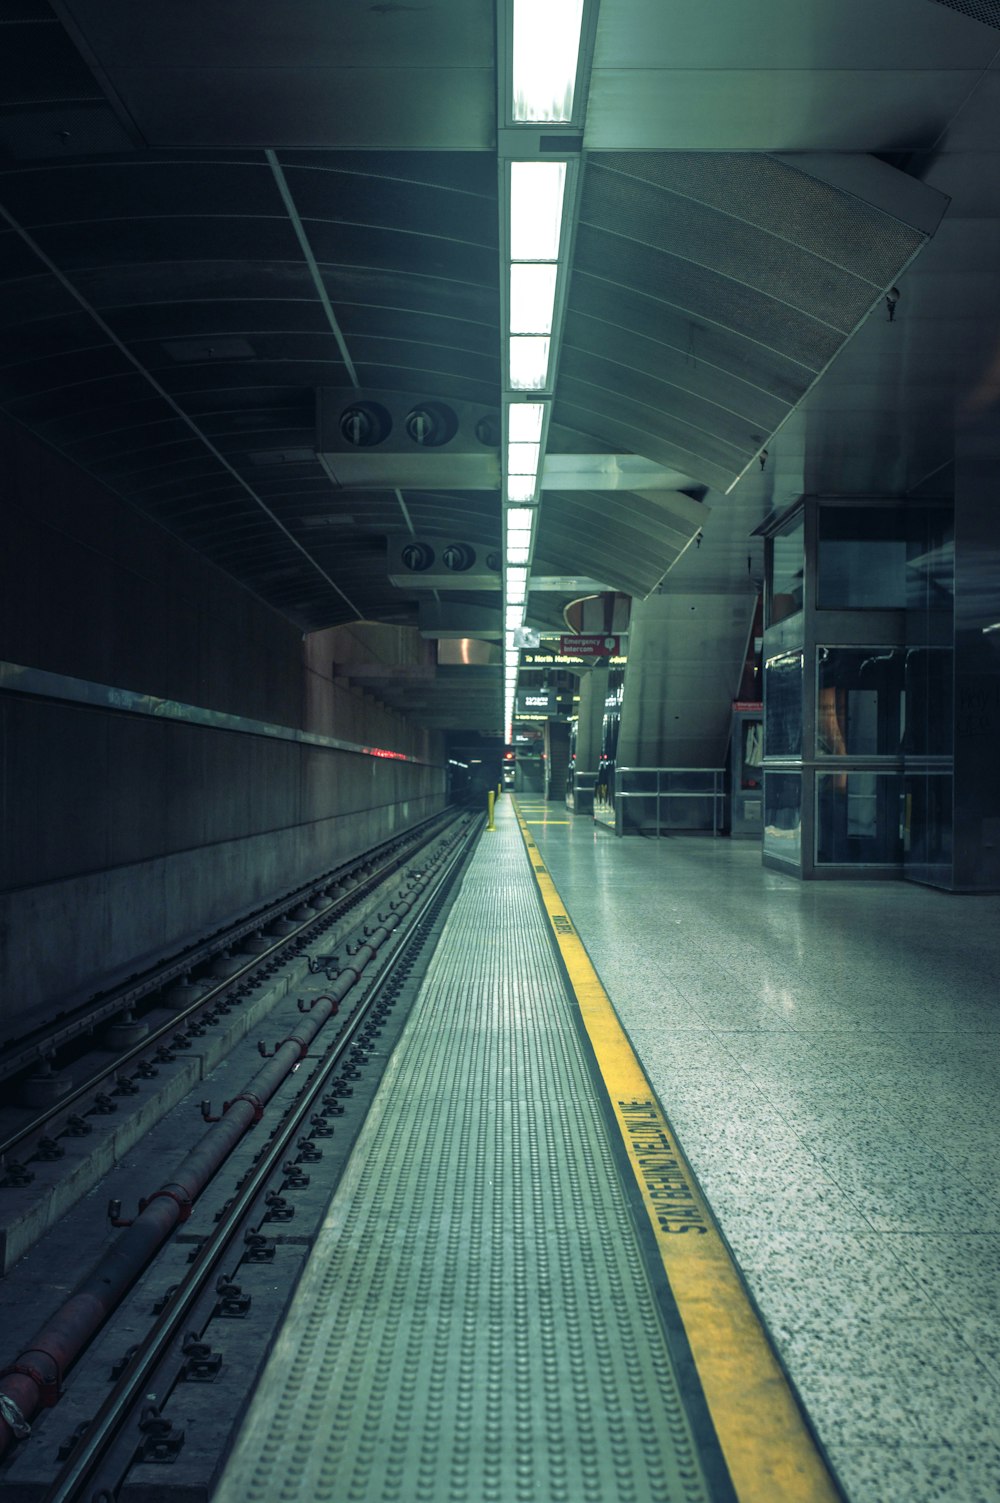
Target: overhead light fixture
x: 532, y: 296
x: 546, y: 50
x: 537, y: 190
x: 545, y: 85
x: 529, y: 361
x: 522, y: 459
x: 521, y: 487
x: 516, y: 589
x: 524, y: 422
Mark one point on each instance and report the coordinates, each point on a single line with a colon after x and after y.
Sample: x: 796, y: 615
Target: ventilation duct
x: 405, y: 440
x: 429, y: 563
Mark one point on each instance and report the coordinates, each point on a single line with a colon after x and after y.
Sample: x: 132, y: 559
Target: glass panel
x: 929, y: 693
x: 749, y: 753
x: 783, y: 705
x: 858, y: 818
x: 859, y: 701
x: 787, y: 569
x: 861, y: 558
x: 927, y: 819
x: 692, y: 780
x: 930, y: 560
x: 638, y: 782
x: 783, y: 816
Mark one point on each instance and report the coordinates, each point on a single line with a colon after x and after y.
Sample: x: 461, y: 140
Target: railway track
x: 156, y: 1016
x: 203, y: 1314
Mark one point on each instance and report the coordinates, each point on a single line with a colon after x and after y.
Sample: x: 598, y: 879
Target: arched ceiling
x: 204, y: 225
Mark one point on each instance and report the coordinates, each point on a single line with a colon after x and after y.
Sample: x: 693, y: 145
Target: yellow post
x: 499, y: 789
x: 489, y: 810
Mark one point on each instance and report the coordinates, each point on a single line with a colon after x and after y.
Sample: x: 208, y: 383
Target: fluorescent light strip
x: 521, y: 487
x: 518, y: 553
x: 520, y: 519
x: 529, y: 362
x: 546, y: 50
x: 532, y: 296
x: 524, y: 422
x: 522, y: 459
x: 537, y: 190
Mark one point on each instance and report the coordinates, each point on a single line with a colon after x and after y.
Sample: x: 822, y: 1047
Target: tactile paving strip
x: 475, y: 1321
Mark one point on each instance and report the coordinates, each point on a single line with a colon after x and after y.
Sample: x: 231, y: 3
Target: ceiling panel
x: 310, y: 34
x: 432, y: 108
x: 706, y: 294
x: 640, y: 108
x: 784, y: 34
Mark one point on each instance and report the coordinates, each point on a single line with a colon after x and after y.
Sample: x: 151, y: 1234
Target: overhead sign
x: 536, y: 702
x: 590, y: 647
x: 543, y: 658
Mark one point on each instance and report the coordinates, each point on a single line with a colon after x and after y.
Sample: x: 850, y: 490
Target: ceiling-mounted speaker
x: 405, y: 440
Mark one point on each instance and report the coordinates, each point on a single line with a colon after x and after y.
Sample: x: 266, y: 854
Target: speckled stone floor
x: 829, y: 1054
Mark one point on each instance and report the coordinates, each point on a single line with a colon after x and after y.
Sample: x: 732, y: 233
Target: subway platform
x: 519, y: 1294
x: 829, y: 1056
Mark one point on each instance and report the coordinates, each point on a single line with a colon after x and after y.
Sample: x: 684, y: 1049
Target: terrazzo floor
x: 829, y: 1054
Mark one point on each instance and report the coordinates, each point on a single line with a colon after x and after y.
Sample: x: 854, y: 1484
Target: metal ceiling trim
x: 307, y: 251
x: 875, y: 183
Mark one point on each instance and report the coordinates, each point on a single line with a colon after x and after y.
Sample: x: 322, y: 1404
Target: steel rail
x: 41, y: 1125
x: 41, y: 1043
x: 33, y: 1380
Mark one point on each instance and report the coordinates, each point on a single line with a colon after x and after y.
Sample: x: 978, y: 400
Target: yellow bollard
x: 499, y: 789
x: 489, y: 810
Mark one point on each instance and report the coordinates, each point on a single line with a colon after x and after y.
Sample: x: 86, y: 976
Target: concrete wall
x: 685, y: 658
x: 122, y: 836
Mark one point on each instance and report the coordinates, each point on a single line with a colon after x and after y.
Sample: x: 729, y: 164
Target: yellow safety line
x: 767, y: 1446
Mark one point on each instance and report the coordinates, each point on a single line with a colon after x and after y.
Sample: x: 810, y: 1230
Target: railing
x: 657, y: 800
x: 580, y: 792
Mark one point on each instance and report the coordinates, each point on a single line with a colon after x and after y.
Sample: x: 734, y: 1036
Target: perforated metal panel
x: 987, y: 11
x: 698, y: 276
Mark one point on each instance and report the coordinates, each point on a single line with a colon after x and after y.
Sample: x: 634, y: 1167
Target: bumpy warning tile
x: 475, y: 1321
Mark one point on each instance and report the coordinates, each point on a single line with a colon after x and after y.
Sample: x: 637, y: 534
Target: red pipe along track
x: 33, y: 1380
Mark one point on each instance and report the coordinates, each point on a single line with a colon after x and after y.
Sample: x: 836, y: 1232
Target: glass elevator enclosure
x: 858, y: 688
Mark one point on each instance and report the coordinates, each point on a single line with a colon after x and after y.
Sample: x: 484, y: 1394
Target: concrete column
x: 684, y: 663
x: 590, y: 721
x: 976, y: 839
